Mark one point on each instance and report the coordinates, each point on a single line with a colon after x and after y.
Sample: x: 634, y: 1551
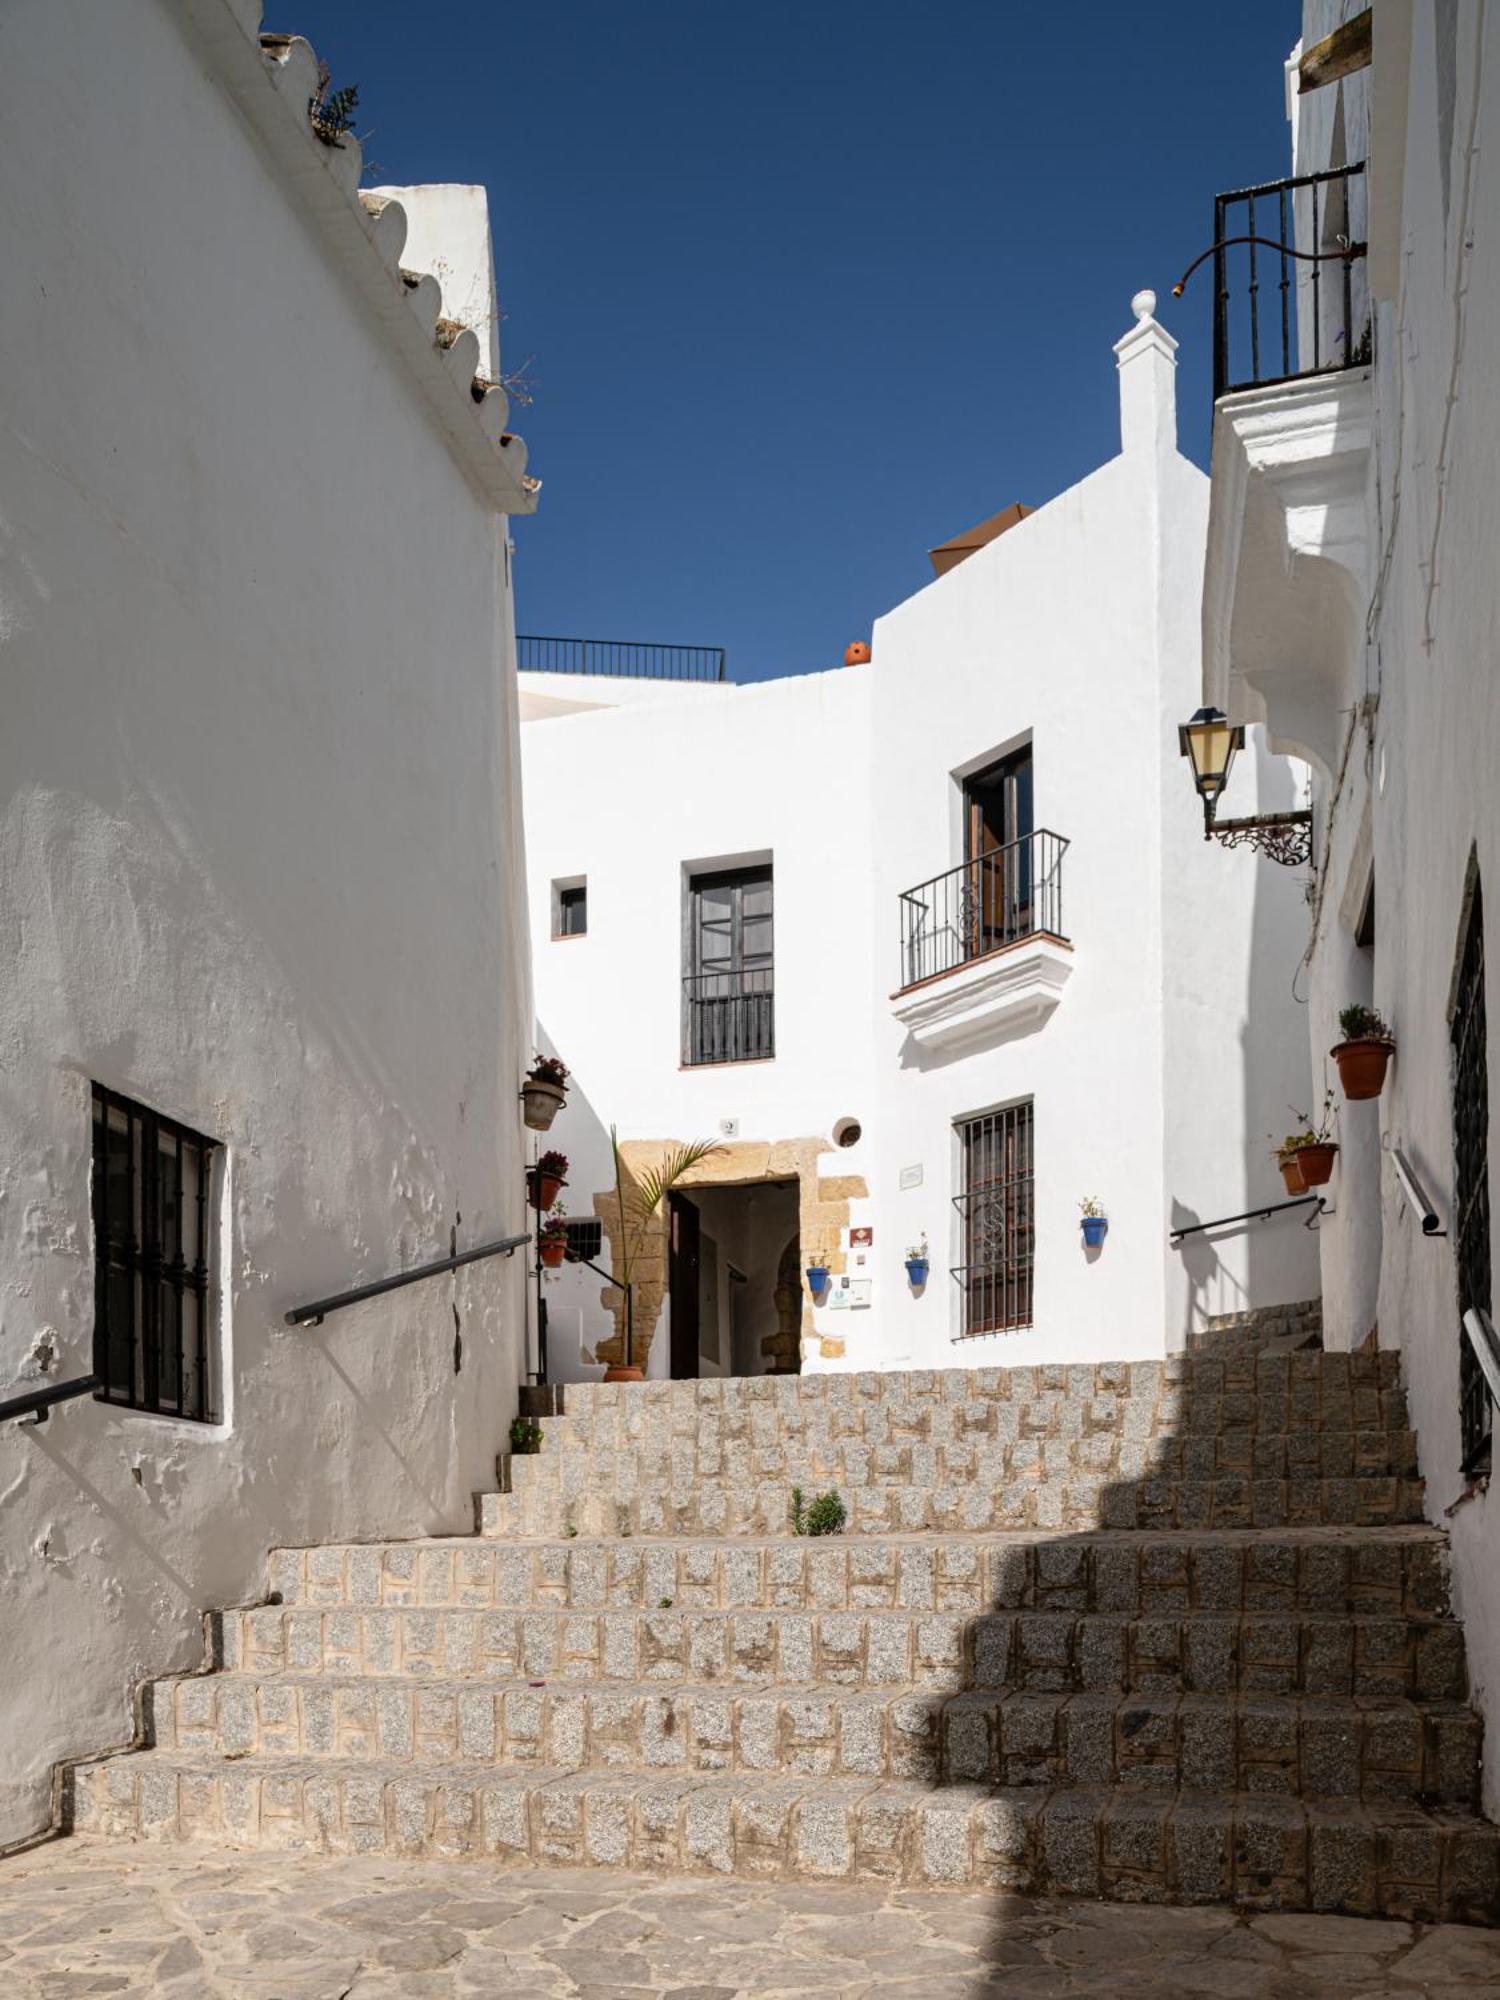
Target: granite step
x: 1127, y: 1843
x: 1362, y: 1655
x: 1080, y: 1504
x: 1382, y: 1572
x: 1317, y: 1746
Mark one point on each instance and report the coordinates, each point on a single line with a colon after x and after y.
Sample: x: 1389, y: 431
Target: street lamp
x: 1209, y: 742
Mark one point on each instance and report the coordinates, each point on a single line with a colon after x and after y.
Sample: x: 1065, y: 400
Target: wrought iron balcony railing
x: 729, y: 1016
x: 1304, y: 240
x: 626, y: 659
x: 982, y: 906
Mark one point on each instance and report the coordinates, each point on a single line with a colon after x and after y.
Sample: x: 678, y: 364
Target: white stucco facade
x: 1351, y: 602
x: 260, y: 845
x: 1156, y: 1039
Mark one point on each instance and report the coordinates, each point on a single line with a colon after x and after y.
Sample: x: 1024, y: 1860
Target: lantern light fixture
x: 1210, y: 742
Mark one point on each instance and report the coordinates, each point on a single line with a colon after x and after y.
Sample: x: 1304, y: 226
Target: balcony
x: 1286, y: 579
x: 620, y: 659
x: 729, y: 1016
x: 983, y: 950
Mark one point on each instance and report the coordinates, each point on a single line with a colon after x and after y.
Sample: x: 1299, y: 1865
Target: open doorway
x: 734, y: 1281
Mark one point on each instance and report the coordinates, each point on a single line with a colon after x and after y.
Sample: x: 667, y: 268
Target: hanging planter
x: 817, y: 1279
x: 622, y: 1371
x: 918, y: 1263
x: 543, y: 1093
x: 548, y: 1178
x: 1315, y: 1162
x: 1095, y: 1222
x: 1291, y: 1173
x: 552, y: 1241
x: 1364, y: 1054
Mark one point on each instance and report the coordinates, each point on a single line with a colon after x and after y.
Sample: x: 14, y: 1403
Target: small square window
x: 570, y: 909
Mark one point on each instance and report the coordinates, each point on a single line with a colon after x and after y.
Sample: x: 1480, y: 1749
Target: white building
x: 1351, y: 605
x: 934, y: 946
x: 264, y: 955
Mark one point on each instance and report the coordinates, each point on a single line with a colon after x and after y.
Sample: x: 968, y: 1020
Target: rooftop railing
x: 624, y: 659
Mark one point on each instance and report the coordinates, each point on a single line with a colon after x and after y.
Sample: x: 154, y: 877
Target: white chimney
x: 1148, y: 383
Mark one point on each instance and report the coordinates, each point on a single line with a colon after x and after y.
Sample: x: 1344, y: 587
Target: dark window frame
x: 570, y: 899
x: 997, y: 1220
x: 1468, y: 1035
x: 728, y: 995
x: 152, y: 1198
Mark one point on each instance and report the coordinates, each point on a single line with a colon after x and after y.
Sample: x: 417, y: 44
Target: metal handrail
x: 1250, y: 1215
x: 624, y: 659
x: 38, y: 1402
x: 1416, y: 1195
x: 314, y: 1314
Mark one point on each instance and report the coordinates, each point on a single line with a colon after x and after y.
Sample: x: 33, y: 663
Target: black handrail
x: 37, y: 1402
x: 1250, y: 1215
x: 313, y: 1315
x: 621, y: 1285
x: 629, y: 659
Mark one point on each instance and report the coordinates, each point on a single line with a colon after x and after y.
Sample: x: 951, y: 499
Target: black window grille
x: 997, y: 1231
x: 585, y: 1237
x: 1471, y: 1181
x: 152, y: 1346
x: 729, y: 988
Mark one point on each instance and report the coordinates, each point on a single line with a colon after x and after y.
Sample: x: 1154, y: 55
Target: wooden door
x: 997, y: 849
x: 682, y: 1286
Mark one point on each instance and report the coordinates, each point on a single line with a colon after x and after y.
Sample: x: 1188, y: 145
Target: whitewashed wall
x: 1417, y: 798
x: 1176, y: 1046
x: 259, y: 858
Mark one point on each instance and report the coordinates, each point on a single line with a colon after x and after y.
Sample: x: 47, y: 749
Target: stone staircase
x: 1168, y: 1631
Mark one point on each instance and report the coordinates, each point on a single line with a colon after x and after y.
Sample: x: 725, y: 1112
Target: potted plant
x: 817, y: 1275
x: 1365, y: 1052
x: 1290, y: 1164
x: 552, y: 1239
x: 548, y: 1178
x: 918, y: 1264
x: 1095, y: 1222
x: 1311, y: 1148
x: 543, y: 1092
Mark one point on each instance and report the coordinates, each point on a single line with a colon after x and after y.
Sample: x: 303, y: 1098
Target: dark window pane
x: 572, y: 912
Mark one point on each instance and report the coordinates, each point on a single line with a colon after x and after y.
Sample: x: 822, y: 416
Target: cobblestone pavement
x: 178, y: 1924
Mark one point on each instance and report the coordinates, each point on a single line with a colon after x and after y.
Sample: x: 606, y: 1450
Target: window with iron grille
x: 1471, y: 1180
x: 585, y: 1237
x: 728, y: 986
x: 997, y: 1235
x: 152, y: 1335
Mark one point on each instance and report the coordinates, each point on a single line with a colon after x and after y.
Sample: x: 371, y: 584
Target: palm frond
x: 657, y: 1182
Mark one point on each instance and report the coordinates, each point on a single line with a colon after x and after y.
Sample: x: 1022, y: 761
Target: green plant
x: 525, y: 1436
x: 664, y: 1604
x: 555, y: 1228
x: 1307, y: 1133
x: 1091, y: 1205
x: 330, y: 112
x: 1363, y: 1024
x: 917, y: 1253
x: 827, y: 1515
x: 553, y: 1166
x: 638, y: 1202
x: 548, y: 1069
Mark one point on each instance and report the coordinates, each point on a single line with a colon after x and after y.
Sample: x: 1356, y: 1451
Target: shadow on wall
x: 580, y: 1322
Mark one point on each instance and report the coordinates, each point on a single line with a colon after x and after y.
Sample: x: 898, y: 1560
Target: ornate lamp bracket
x: 1284, y: 837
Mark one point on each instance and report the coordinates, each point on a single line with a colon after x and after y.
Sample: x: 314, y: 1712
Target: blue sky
x: 811, y: 288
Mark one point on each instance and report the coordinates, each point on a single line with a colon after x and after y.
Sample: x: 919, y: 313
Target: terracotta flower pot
x: 545, y: 1188
x: 1362, y: 1065
x: 540, y: 1102
x: 1291, y: 1173
x: 554, y: 1252
x: 1316, y: 1163
x: 618, y: 1372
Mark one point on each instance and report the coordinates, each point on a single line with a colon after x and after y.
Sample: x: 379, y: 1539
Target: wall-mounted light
x: 1210, y: 742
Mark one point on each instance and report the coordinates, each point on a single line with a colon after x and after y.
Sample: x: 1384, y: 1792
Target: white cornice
x: 988, y: 999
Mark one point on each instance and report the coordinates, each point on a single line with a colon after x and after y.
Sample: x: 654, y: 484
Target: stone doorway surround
x: 822, y: 1217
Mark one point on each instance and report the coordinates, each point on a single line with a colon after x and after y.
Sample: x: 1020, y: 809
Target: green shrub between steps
x: 525, y: 1436
x: 824, y: 1516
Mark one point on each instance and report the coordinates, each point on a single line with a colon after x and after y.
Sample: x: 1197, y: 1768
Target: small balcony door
x: 728, y: 987
x: 997, y: 853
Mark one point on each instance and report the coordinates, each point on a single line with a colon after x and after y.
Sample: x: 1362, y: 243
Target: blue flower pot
x: 1094, y: 1227
x: 817, y: 1279
x: 916, y: 1270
